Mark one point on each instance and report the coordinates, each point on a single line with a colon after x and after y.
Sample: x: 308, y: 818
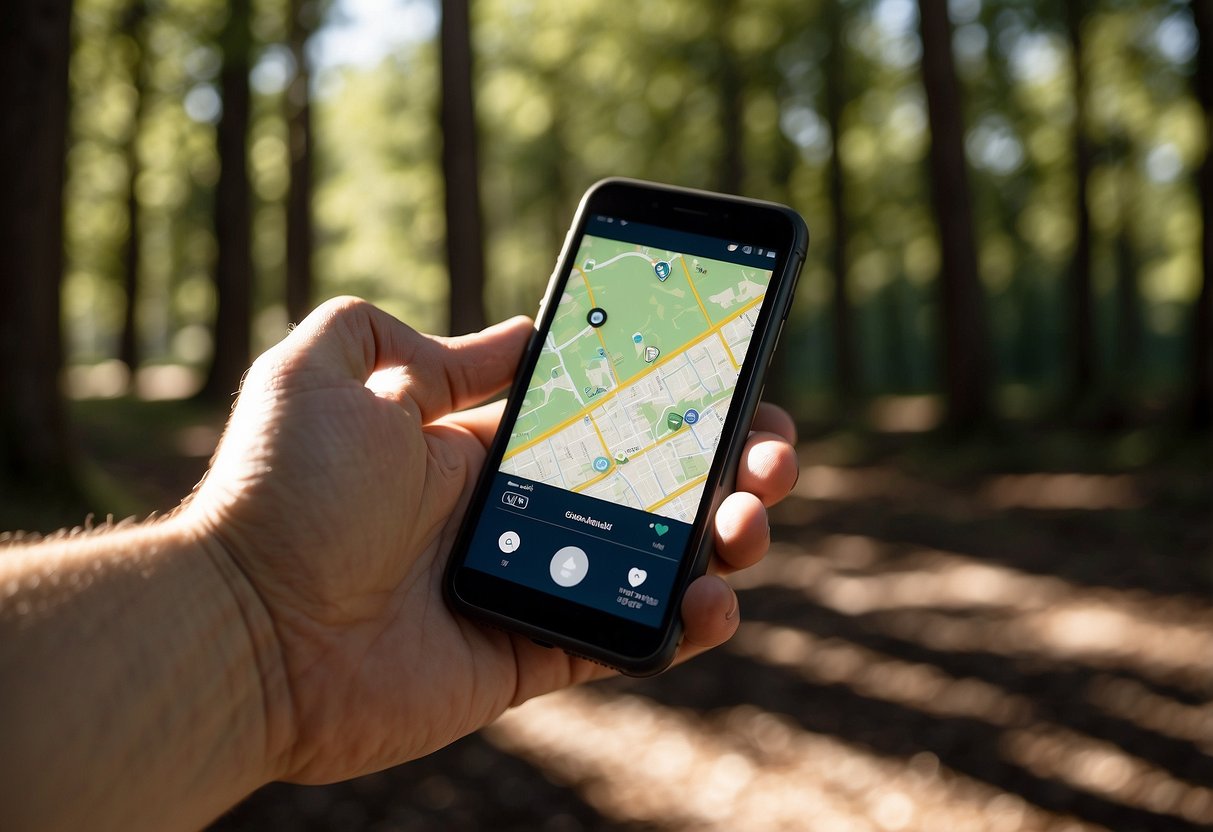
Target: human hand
x: 336, y: 494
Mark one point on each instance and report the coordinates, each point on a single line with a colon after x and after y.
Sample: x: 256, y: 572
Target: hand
x: 337, y: 492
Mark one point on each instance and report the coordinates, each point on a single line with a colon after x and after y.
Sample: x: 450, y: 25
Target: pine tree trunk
x: 965, y: 346
x: 34, y: 54
x: 1128, y: 297
x: 461, y: 172
x: 783, y: 384
x: 1082, y: 315
x: 730, y: 89
x: 233, y: 211
x: 1201, y: 406
x: 299, y: 226
x: 128, y: 343
x: 846, y: 384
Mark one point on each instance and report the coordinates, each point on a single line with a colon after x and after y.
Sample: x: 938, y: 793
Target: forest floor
x: 1010, y: 632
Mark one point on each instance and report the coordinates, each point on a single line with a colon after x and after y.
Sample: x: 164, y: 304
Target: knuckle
x: 341, y: 305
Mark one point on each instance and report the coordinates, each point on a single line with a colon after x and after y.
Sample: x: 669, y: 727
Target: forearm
x: 131, y: 689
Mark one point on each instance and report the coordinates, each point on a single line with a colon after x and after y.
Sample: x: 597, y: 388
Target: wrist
x: 253, y: 626
x: 137, y: 675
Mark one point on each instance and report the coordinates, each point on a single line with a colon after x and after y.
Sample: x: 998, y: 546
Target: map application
x: 596, y: 494
x: 630, y: 394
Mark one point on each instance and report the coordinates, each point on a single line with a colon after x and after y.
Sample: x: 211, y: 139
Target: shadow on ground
x: 977, y: 637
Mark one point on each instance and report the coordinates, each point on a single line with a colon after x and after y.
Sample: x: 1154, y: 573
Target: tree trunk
x: 558, y: 190
x: 965, y: 347
x: 845, y: 378
x: 299, y: 227
x: 1082, y: 313
x: 730, y: 88
x: 784, y: 384
x: 35, y: 49
x: 1201, y: 406
x: 233, y: 211
x: 461, y: 172
x: 1128, y: 297
x: 128, y: 344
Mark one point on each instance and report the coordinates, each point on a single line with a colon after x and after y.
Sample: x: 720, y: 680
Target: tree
x: 34, y: 52
x: 1127, y: 348
x: 128, y: 342
x: 845, y: 376
x: 461, y: 172
x: 233, y: 210
x: 1082, y: 313
x: 965, y: 349
x: 1202, y: 330
x: 730, y: 87
x: 299, y: 226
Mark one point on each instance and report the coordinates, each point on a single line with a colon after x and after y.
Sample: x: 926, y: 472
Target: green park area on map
x: 580, y: 364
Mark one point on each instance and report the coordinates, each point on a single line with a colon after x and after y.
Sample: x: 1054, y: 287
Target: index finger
x: 771, y: 418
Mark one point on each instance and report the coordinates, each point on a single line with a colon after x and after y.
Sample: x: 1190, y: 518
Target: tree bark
x: 1128, y: 297
x: 845, y: 377
x: 730, y: 88
x: 965, y: 346
x: 233, y: 211
x: 1201, y: 406
x: 461, y: 172
x: 299, y: 225
x: 35, y: 48
x: 1082, y: 314
x: 128, y: 343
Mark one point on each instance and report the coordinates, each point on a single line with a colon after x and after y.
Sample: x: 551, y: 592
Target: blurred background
x: 989, y: 604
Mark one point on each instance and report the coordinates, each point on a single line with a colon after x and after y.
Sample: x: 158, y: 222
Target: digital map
x: 631, y: 390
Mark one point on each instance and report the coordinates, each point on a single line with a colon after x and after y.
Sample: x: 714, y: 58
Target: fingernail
x: 734, y: 608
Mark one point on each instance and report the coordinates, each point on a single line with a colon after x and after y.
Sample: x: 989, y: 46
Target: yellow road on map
x: 630, y: 408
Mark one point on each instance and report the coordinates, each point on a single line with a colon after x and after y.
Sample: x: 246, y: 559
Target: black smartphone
x: 623, y: 430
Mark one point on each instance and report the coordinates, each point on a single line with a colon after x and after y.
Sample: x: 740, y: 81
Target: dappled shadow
x: 993, y: 649
x: 1119, y: 531
x: 989, y: 650
x: 970, y: 746
x: 466, y: 787
x: 1024, y: 692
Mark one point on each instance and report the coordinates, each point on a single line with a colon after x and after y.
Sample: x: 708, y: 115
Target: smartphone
x: 622, y: 433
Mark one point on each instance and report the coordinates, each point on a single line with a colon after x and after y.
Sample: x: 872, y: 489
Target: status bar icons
x: 761, y: 252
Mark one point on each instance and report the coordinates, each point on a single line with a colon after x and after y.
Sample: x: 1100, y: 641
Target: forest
x: 1010, y: 280
x: 1009, y: 201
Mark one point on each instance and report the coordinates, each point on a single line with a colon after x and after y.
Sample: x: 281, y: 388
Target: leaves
x: 569, y: 91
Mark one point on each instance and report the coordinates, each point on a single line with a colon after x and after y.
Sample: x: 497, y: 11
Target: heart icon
x: 636, y: 576
x: 660, y: 528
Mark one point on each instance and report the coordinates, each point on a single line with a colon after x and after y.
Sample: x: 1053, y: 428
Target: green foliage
x: 572, y: 90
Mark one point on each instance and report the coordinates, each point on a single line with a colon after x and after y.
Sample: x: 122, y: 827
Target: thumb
x: 455, y: 373
x: 356, y: 339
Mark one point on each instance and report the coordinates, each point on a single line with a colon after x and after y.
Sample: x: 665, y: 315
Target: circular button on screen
x: 569, y: 566
x: 508, y: 542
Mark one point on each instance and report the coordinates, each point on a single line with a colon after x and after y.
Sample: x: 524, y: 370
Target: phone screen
x: 597, y: 491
